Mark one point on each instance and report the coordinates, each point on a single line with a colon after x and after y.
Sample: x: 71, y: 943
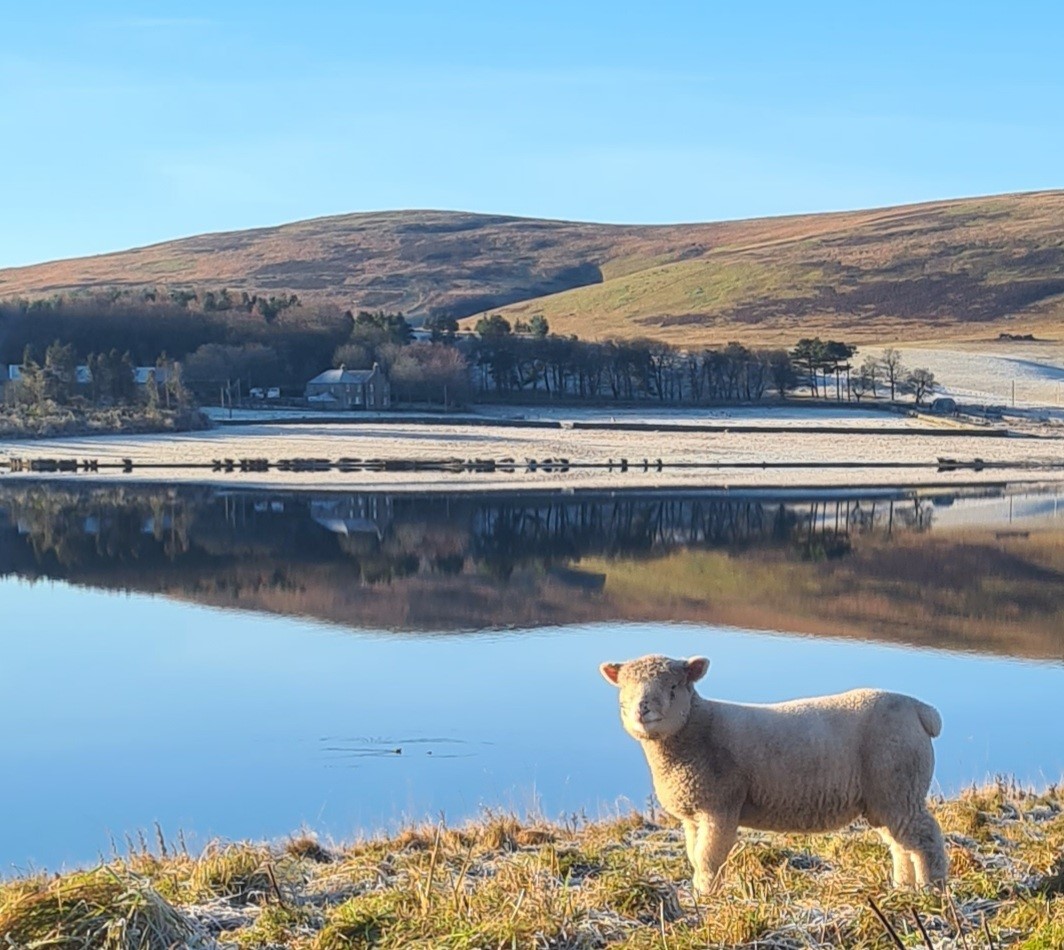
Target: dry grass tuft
x: 307, y: 847
x: 241, y: 873
x: 501, y: 882
x: 104, y: 909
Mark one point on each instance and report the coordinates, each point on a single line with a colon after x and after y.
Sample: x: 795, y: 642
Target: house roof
x: 344, y: 375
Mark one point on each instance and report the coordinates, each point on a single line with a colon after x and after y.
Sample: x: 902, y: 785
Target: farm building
x: 349, y: 389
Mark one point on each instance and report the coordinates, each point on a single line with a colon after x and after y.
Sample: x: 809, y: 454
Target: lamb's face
x: 656, y: 693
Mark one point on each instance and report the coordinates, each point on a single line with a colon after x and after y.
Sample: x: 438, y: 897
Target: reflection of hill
x: 970, y: 591
x: 867, y: 568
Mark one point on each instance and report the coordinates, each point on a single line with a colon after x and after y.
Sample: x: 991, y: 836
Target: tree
x: 538, y: 325
x: 215, y: 364
x: 430, y: 372
x: 112, y: 377
x: 151, y: 390
x: 60, y: 372
x: 494, y: 326
x: 376, y: 328
x: 921, y: 382
x: 781, y: 372
x: 31, y: 384
x: 808, y: 354
x: 836, y: 356
x: 443, y: 327
x: 352, y: 356
x: 893, y: 369
x: 173, y: 383
x: 862, y: 382
x: 870, y: 372
x: 182, y: 297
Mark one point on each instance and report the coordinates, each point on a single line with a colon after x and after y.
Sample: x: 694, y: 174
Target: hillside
x: 963, y: 269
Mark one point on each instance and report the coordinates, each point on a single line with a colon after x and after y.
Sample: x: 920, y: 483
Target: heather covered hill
x: 418, y: 262
x: 964, y: 269
x: 961, y: 269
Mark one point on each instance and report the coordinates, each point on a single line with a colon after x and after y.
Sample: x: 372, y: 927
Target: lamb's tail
x: 929, y: 718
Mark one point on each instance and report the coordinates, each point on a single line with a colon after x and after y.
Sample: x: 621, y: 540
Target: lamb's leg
x: 921, y: 836
x: 690, y: 835
x: 904, y: 869
x: 716, y: 835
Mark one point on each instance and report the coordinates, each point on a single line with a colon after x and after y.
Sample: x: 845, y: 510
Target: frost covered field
x: 440, y: 441
x: 986, y: 372
x: 805, y: 416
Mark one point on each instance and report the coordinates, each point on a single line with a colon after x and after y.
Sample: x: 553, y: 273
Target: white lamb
x: 809, y: 765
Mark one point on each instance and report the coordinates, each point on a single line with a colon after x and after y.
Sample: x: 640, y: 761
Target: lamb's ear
x: 696, y: 668
x: 611, y: 671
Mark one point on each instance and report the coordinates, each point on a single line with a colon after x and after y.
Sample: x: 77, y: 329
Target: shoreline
x: 502, y: 881
x: 551, y: 454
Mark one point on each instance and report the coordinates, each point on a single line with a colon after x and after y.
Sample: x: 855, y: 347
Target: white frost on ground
x: 1019, y: 511
x: 806, y: 416
x: 797, y: 415
x: 420, y: 441
x: 986, y: 372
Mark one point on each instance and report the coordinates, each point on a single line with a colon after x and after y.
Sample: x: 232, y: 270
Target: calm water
x: 246, y: 664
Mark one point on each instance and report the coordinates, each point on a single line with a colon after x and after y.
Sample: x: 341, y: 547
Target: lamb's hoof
x: 702, y: 888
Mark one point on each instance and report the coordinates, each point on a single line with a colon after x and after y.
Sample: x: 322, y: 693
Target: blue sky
x: 129, y: 123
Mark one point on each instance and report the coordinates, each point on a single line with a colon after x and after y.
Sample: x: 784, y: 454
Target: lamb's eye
x: 672, y: 692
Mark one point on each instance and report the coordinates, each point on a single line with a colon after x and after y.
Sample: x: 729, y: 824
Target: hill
x: 962, y: 269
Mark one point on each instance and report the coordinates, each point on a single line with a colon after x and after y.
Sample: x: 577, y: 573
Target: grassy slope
x: 949, y: 270
x: 622, y: 883
x: 945, y: 270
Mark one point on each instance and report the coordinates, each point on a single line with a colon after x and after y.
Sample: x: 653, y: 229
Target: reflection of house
x: 349, y: 389
x: 356, y: 514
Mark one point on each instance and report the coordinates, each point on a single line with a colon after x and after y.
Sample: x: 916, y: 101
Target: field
x: 993, y: 372
x: 501, y: 882
x: 793, y: 454
x: 953, y: 270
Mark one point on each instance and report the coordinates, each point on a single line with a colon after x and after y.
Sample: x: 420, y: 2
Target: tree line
x: 109, y: 380
x: 528, y: 359
x: 234, y: 342
x: 231, y: 335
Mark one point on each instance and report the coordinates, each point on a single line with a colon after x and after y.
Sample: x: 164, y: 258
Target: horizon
x: 132, y: 129
x: 522, y: 217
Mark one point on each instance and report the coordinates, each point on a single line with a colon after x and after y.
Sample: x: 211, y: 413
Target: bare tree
x: 870, y: 370
x: 893, y: 369
x: 921, y: 382
x: 862, y: 382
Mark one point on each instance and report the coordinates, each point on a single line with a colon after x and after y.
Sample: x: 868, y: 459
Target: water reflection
x: 871, y: 565
x: 132, y: 709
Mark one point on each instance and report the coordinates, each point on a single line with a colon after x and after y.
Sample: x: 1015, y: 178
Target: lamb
x: 809, y: 765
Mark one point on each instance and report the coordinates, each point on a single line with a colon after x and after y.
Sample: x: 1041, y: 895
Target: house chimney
x: 343, y: 367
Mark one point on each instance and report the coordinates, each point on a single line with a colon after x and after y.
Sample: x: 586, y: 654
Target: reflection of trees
x: 436, y: 562
x: 381, y: 538
x: 71, y: 529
